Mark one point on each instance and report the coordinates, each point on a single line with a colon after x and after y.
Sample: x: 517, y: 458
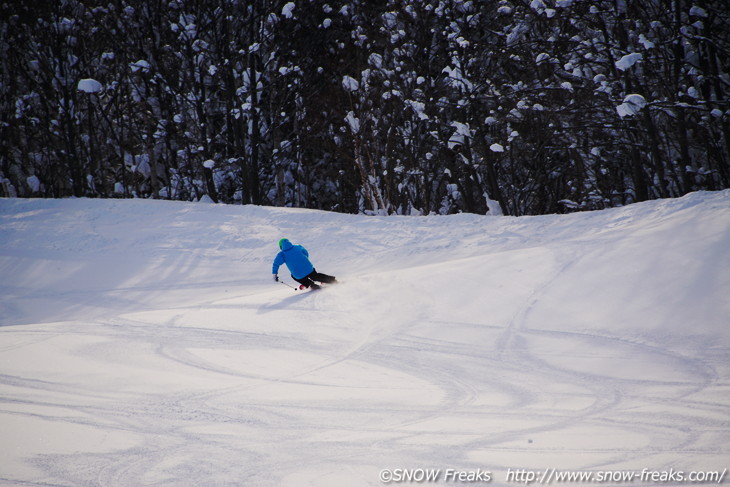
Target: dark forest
x: 367, y: 106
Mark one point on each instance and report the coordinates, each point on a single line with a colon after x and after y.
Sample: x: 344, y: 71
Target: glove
x: 276, y: 277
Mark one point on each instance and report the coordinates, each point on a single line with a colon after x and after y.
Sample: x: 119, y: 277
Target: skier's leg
x: 307, y: 282
x: 319, y: 277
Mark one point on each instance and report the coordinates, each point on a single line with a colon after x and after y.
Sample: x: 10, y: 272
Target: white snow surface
x: 145, y: 343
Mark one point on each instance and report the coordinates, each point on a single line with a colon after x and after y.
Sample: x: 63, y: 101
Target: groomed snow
x: 145, y: 343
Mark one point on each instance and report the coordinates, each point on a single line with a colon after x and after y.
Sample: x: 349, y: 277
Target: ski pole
x: 287, y: 285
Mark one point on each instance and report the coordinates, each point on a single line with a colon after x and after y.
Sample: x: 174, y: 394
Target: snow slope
x: 144, y: 343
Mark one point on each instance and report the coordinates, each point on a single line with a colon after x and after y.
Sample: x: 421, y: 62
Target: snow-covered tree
x: 386, y: 106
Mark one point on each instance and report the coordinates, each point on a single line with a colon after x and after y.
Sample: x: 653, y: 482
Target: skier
x: 296, y: 259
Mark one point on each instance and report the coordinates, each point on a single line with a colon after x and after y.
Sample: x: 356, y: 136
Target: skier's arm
x: 277, y: 263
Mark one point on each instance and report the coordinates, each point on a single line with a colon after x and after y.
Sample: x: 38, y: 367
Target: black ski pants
x: 308, y: 281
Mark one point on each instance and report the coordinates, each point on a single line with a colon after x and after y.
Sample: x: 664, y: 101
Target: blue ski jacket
x: 296, y: 259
